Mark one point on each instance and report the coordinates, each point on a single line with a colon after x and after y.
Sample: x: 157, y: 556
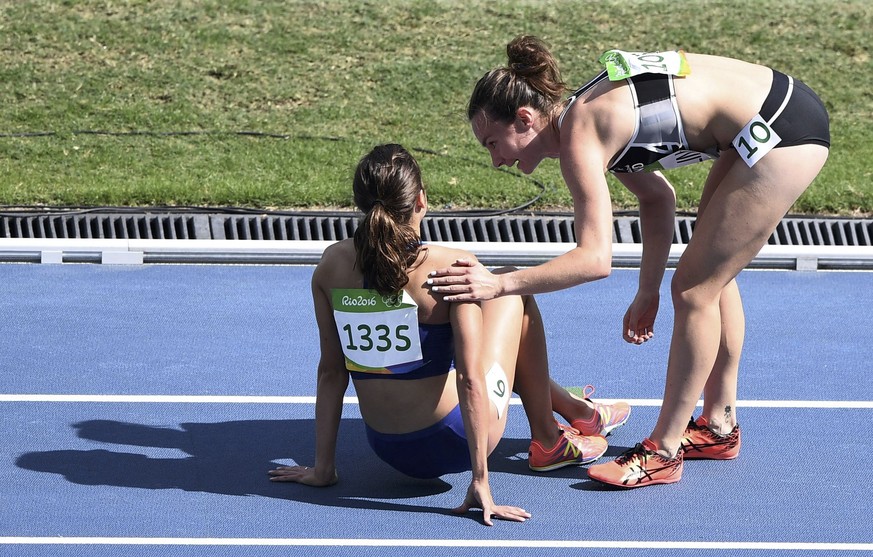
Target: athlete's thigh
x: 742, y: 210
x: 502, y: 320
x: 717, y: 172
x: 501, y: 334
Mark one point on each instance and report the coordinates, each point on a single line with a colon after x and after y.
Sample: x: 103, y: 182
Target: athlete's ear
x: 525, y: 115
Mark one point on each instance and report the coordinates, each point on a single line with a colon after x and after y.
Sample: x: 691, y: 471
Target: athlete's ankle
x: 546, y: 438
x: 586, y: 414
x: 583, y: 409
x: 719, y: 426
x: 664, y: 449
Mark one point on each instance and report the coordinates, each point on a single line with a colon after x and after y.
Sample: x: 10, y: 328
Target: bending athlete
x: 768, y: 135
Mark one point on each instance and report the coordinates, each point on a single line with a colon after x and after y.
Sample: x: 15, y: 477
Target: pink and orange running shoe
x: 700, y: 442
x: 570, y: 450
x: 638, y: 467
x: 607, y: 417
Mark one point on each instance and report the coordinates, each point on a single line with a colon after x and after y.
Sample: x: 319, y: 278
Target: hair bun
x: 530, y: 78
x: 530, y: 58
x: 526, y: 54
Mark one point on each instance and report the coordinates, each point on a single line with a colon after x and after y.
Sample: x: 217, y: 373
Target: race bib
x: 376, y: 332
x: 498, y: 388
x: 755, y: 140
x: 622, y: 65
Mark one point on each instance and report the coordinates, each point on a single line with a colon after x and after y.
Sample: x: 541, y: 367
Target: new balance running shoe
x: 606, y: 417
x: 638, y: 467
x: 701, y: 442
x: 569, y: 450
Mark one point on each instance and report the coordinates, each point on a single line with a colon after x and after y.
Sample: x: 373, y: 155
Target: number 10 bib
x: 622, y: 65
x: 376, y: 332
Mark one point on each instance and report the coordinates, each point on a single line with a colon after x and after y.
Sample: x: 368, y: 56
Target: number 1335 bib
x: 376, y: 332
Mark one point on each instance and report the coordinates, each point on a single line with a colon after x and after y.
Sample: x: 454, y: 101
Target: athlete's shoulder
x: 443, y: 256
x: 336, y: 265
x: 339, y: 250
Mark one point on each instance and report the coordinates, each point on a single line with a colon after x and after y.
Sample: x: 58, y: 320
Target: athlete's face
x: 512, y: 143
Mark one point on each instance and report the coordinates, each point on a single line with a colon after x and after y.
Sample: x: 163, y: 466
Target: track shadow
x: 232, y: 458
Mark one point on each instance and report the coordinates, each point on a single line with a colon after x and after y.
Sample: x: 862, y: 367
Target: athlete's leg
x: 533, y: 365
x: 720, y: 391
x: 500, y: 345
x: 514, y: 338
x: 550, y: 448
x: 741, y: 214
x: 529, y: 371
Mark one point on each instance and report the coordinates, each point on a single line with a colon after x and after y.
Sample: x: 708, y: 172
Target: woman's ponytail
x: 386, y: 186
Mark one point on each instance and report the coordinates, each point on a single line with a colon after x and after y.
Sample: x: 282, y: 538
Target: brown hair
x: 386, y: 185
x: 530, y: 78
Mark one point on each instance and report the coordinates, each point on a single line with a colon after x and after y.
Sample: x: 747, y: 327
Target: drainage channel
x: 798, y: 242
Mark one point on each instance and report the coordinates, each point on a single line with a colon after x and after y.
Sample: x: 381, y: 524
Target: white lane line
x: 337, y: 542
x: 253, y: 399
x: 173, y: 399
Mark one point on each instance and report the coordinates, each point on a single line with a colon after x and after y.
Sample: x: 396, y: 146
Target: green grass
x: 335, y: 78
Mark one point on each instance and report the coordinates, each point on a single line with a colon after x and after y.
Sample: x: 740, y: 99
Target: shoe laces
x: 636, y: 451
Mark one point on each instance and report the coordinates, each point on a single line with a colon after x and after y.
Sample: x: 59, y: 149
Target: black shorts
x: 804, y: 119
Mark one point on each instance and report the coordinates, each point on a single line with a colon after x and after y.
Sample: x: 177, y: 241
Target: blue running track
x: 143, y: 405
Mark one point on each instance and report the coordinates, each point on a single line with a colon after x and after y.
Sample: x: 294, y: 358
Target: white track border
x: 440, y: 543
x: 256, y: 399
x: 297, y: 251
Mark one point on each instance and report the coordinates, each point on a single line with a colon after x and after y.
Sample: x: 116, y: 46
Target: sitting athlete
x: 433, y: 379
x: 768, y: 134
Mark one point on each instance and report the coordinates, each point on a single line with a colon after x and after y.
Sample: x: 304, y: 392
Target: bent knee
x: 688, y: 294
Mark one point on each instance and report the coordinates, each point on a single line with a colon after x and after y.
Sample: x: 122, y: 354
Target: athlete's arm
x: 583, y: 159
x: 590, y: 260
x: 466, y: 322
x: 657, y: 217
x: 333, y: 381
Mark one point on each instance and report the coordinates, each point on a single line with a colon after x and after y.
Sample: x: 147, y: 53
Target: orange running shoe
x: 606, y: 417
x: 701, y: 442
x: 570, y: 450
x: 638, y: 467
